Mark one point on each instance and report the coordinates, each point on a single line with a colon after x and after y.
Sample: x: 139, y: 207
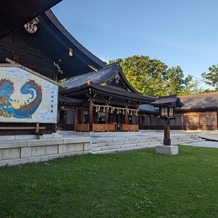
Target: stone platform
x: 16, y: 150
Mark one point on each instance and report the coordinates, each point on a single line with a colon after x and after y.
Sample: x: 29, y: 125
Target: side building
x: 199, y: 112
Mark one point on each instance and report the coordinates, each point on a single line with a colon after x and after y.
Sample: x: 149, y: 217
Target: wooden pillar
x: 149, y: 121
x: 81, y: 115
x: 126, y: 121
x: 167, y: 140
x: 37, y: 127
x: 90, y: 114
x: 140, y: 121
x: 76, y: 116
x: 182, y: 121
x: 106, y: 113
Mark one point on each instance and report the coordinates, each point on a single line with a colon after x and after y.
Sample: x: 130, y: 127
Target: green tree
x: 211, y: 77
x: 181, y: 85
x: 153, y: 77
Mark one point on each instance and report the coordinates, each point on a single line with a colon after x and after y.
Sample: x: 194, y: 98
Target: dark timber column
x: 90, y: 114
x: 81, y: 115
x: 167, y: 140
x: 126, y: 121
x: 76, y: 116
x: 140, y: 121
x: 106, y: 114
x: 75, y: 120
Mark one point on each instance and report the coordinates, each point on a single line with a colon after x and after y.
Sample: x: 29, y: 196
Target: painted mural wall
x: 24, y: 97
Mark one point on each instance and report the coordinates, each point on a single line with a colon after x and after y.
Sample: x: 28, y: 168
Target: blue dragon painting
x: 12, y: 108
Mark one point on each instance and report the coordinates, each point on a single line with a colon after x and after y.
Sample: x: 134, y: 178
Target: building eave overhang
x: 123, y: 94
x: 14, y: 14
x: 72, y: 42
x: 167, y: 101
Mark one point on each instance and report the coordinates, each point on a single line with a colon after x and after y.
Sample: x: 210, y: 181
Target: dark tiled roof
x: 199, y: 101
x: 101, y: 76
x: 148, y: 108
x: 167, y: 100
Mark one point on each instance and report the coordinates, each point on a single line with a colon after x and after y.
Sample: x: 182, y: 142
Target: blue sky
x: 178, y: 32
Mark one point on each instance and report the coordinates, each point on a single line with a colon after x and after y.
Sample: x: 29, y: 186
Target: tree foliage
x: 153, y: 77
x: 211, y: 77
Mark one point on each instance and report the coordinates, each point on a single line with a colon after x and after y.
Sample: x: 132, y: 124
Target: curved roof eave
x: 104, y: 89
x: 14, y: 14
x: 65, y: 34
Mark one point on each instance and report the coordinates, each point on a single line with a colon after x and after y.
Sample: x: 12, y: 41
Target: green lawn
x: 134, y: 184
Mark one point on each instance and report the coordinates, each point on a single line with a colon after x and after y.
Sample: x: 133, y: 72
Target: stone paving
x: 111, y: 141
x: 210, y: 139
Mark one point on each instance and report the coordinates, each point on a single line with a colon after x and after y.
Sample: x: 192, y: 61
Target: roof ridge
x: 198, y: 94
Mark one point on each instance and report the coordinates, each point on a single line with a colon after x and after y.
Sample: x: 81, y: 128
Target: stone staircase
x: 100, y: 146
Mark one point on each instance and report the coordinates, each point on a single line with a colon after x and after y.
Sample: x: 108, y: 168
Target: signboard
x: 24, y: 97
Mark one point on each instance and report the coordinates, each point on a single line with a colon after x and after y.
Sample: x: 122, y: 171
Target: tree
x: 211, y: 77
x: 180, y: 85
x: 153, y: 77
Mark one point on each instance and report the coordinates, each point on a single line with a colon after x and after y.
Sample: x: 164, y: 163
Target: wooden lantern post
x: 167, y: 112
x: 167, y: 105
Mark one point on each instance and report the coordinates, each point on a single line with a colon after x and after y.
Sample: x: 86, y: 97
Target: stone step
x: 146, y: 141
x: 107, y: 145
x: 121, y: 149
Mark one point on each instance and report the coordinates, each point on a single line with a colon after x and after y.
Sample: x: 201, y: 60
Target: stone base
x: 16, y: 152
x: 167, y: 150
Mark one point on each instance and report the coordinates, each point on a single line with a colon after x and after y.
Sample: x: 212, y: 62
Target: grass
x: 134, y: 184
